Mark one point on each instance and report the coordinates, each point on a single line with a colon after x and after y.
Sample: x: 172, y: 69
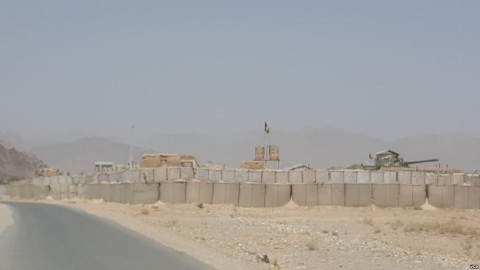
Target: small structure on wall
x: 167, y: 160
x: 252, y: 165
x: 259, y: 153
x: 262, y: 158
x: 104, y: 166
x: 48, y: 172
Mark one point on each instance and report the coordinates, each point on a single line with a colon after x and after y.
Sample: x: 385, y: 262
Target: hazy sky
x: 385, y: 68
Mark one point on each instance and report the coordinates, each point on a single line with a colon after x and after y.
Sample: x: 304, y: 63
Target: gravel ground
x: 294, y: 237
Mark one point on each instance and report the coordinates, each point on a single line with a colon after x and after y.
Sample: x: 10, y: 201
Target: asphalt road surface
x: 51, y: 237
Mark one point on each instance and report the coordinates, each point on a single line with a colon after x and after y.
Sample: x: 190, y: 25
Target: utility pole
x: 130, y: 161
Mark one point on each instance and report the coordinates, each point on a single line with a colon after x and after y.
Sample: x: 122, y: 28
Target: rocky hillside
x: 15, y: 164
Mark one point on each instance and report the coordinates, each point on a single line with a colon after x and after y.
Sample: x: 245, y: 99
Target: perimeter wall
x: 262, y: 188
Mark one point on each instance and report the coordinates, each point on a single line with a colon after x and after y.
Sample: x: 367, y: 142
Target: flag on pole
x: 267, y: 128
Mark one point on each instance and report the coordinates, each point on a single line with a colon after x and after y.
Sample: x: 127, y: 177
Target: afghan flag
x: 267, y: 128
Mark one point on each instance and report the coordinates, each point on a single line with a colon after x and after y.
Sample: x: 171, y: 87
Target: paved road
x: 51, y: 237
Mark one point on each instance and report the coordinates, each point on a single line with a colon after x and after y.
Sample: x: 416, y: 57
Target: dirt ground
x: 293, y: 237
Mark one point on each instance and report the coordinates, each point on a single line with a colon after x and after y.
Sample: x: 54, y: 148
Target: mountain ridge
x: 320, y: 148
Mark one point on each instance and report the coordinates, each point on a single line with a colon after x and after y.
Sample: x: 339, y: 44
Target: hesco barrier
x: 159, y: 175
x: 249, y: 194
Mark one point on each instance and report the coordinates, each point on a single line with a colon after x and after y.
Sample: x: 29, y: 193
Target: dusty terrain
x: 295, y: 237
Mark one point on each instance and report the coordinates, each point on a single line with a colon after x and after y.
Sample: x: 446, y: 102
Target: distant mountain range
x: 320, y: 148
x: 80, y: 155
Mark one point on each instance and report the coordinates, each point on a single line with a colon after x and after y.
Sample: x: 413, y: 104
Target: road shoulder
x: 5, y: 218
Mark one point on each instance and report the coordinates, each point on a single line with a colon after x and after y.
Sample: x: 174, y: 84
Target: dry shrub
x: 144, y: 211
x: 396, y: 224
x: 172, y: 223
x: 449, y: 227
x: 311, y: 246
x: 368, y: 221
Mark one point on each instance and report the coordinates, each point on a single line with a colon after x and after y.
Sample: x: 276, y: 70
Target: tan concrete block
x: 434, y: 195
x: 431, y: 178
x: 441, y: 196
x: 309, y: 177
x: 322, y: 176
x: 277, y: 195
x: 418, y: 178
x: 448, y: 194
x: 365, y: 195
x: 458, y: 179
x: 351, y: 195
x: 405, y: 196
x: 461, y: 197
x: 186, y: 173
x: 295, y: 177
x: 350, y: 177
x: 377, y: 177
x: 444, y: 180
x: 114, y: 195
x: 199, y: 192
x: 232, y: 193
x: 419, y: 194
x: 324, y: 194
x: 363, y: 177
x: 305, y: 194
x: 173, y: 192
x: 472, y: 180
x: 173, y: 174
x: 219, y: 191
x: 150, y: 193
x: 390, y: 177
x: 147, y: 175
x: 474, y: 197
x: 268, y: 177
x: 392, y: 194
x: 214, y: 175
x: 311, y: 191
x: 228, y: 175
x: 338, y: 194
x: 405, y: 177
x: 160, y: 175
x: 379, y: 195
x: 252, y: 195
x: 201, y: 174
x: 282, y: 177
x: 241, y: 176
x: 255, y: 176
x: 336, y: 176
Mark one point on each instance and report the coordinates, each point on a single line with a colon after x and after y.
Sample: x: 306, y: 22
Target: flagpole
x: 265, y: 146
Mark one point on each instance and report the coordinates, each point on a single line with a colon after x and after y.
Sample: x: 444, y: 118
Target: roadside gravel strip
x: 5, y: 218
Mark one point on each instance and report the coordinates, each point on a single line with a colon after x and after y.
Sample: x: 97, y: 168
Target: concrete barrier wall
x: 269, y: 177
x: 331, y: 194
x: 226, y: 193
x: 3, y: 190
x: 305, y: 194
x: 444, y: 191
x: 27, y: 191
x: 358, y: 195
x: 199, y: 192
x: 277, y: 195
x: 251, y: 195
x: 173, y: 192
x: 442, y: 196
x: 280, y: 176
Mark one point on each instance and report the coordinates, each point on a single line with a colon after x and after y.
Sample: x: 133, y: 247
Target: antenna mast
x: 131, y: 148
